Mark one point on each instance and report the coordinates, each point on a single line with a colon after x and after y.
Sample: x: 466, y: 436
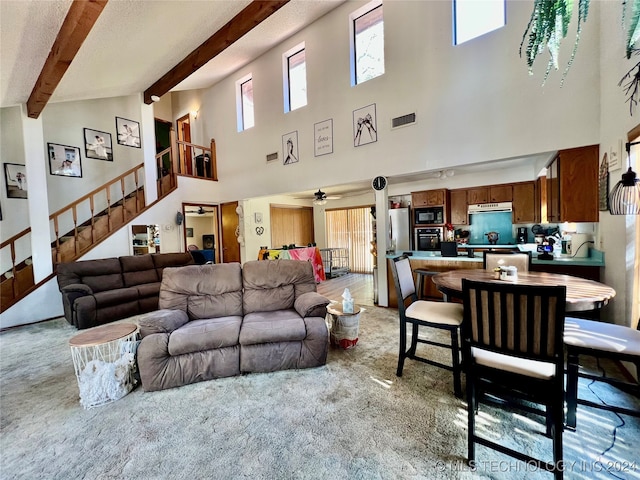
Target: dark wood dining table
x: 582, y: 294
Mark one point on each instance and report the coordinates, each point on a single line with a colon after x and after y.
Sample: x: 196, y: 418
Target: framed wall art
x: 128, y: 132
x: 64, y: 160
x: 603, y: 185
x: 323, y: 137
x: 365, y: 125
x: 15, y: 178
x: 189, y: 232
x: 290, y: 148
x: 97, y: 145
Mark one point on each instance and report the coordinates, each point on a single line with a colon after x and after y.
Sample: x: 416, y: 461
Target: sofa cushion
x: 275, y: 284
x: 148, y: 289
x: 203, y: 335
x: 113, y: 297
x: 311, y: 304
x: 203, y: 291
x: 161, y: 321
x: 100, y: 275
x: 137, y: 270
x: 164, y: 260
x: 269, y: 327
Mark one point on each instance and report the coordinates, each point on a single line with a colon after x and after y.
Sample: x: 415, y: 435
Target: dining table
x: 582, y: 294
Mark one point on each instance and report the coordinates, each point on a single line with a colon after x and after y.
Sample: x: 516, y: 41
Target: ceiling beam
x: 81, y: 17
x: 249, y: 18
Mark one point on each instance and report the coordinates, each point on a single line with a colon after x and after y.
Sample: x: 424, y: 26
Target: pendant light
x: 624, y: 199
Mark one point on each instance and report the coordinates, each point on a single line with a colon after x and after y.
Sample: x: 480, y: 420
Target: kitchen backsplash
x: 482, y: 223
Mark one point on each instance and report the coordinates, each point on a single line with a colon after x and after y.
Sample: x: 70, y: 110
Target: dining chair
x: 600, y: 340
x: 520, y: 260
x: 424, y: 313
x: 512, y: 349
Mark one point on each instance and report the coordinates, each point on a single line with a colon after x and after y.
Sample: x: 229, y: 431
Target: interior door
x: 184, y: 134
x: 229, y: 241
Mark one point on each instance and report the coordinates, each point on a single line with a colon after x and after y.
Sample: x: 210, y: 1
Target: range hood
x: 490, y: 207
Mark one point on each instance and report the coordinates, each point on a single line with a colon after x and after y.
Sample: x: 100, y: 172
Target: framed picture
x: 97, y: 145
x: 603, y: 185
x: 189, y: 232
x: 290, y: 148
x: 15, y: 177
x: 365, y: 125
x: 323, y: 137
x: 64, y: 160
x: 128, y: 132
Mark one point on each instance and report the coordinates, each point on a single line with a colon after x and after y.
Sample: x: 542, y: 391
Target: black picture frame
x: 15, y: 180
x: 98, y: 145
x: 64, y: 160
x: 290, y: 153
x: 365, y: 129
x: 603, y: 184
x: 128, y: 132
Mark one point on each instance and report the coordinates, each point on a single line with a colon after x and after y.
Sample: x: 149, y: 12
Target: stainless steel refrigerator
x: 400, y: 228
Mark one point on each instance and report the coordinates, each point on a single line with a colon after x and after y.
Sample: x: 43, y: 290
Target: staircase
x: 91, y: 219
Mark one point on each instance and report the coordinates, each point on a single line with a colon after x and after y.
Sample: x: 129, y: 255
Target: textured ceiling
x: 134, y: 43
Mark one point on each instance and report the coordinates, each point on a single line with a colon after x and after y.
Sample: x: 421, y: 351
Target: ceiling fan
x: 320, y: 198
x: 200, y: 211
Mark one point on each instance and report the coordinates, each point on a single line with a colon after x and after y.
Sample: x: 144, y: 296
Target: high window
x: 295, y: 78
x: 367, y: 42
x: 244, y: 103
x: 472, y: 18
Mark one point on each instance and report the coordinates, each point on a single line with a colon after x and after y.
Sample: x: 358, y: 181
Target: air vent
x: 271, y: 157
x: 403, y: 121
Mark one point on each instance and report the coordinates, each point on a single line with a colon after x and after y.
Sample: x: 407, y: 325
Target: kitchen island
x: 587, y: 267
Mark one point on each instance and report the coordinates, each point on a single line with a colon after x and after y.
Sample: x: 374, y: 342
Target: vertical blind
x: 351, y: 228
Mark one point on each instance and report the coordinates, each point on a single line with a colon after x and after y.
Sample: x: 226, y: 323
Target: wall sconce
x: 624, y: 199
x: 194, y: 114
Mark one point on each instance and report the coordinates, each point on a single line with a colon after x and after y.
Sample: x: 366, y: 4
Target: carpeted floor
x: 352, y: 418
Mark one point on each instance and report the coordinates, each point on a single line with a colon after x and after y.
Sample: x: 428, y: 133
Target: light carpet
x: 352, y: 418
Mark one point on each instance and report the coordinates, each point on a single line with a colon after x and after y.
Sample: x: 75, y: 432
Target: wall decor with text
x: 323, y: 137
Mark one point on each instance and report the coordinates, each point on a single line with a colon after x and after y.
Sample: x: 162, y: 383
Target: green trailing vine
x: 630, y: 82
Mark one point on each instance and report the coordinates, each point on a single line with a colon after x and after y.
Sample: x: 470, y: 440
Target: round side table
x: 344, y: 326
x: 104, y: 362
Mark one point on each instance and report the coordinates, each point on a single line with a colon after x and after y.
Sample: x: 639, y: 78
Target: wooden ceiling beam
x: 81, y: 17
x: 250, y: 17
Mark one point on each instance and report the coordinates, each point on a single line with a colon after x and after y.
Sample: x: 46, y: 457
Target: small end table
x: 344, y: 326
x: 104, y: 362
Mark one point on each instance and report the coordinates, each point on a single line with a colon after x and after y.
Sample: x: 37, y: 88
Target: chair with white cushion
x: 423, y: 313
x: 512, y: 349
x: 520, y: 260
x: 600, y: 340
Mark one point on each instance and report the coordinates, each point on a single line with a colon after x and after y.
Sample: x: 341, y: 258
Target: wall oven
x: 428, y: 239
x: 428, y: 216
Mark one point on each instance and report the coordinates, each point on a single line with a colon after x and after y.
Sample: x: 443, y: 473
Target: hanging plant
x: 547, y: 27
x: 630, y: 82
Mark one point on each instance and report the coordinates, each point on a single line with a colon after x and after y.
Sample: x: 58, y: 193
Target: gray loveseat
x: 95, y: 292
x: 223, y: 320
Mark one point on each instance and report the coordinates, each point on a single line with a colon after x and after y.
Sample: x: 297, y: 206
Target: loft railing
x: 17, y: 281
x: 197, y: 161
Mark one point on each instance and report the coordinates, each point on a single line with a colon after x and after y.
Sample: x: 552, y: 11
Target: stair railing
x: 197, y: 161
x: 17, y: 280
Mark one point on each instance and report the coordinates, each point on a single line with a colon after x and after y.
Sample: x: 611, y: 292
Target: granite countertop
x: 595, y: 259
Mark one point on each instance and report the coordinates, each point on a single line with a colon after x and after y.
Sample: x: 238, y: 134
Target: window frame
x: 454, y: 24
x: 286, y: 76
x: 353, y: 17
x: 240, y: 109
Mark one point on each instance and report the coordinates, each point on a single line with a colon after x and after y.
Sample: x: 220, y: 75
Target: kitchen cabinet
x: 458, y: 202
x: 572, y: 186
x: 500, y: 193
x: 525, y: 207
x: 429, y: 198
x: 478, y: 195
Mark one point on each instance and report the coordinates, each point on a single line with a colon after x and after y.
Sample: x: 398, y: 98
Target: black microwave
x: 428, y: 216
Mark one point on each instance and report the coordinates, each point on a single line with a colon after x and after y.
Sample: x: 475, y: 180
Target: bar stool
x: 421, y: 273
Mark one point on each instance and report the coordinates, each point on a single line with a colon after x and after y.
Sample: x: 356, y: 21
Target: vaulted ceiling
x: 134, y: 44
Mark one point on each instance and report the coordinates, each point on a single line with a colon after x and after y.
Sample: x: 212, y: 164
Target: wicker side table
x: 104, y: 362
x: 344, y: 326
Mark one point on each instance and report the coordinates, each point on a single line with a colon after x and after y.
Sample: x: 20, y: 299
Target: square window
x: 473, y: 18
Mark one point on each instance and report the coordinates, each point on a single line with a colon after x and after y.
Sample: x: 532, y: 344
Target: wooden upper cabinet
x: 525, y: 207
x: 458, y: 202
x: 478, y: 195
x: 500, y: 193
x: 429, y: 198
x: 572, y: 186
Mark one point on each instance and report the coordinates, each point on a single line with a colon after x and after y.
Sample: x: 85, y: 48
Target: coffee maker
x: 522, y: 236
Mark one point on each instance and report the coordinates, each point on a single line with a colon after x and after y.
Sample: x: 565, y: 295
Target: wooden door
x: 229, y: 242
x: 185, y: 156
x: 578, y: 176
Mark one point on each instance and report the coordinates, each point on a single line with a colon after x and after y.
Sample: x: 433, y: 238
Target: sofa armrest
x: 311, y: 304
x: 77, y: 288
x: 161, y: 321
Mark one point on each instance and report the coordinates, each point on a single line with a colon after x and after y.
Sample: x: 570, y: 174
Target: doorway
x: 201, y: 231
x: 230, y: 221
x: 184, y: 152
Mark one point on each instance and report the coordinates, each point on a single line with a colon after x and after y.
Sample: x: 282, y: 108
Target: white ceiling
x: 134, y: 43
